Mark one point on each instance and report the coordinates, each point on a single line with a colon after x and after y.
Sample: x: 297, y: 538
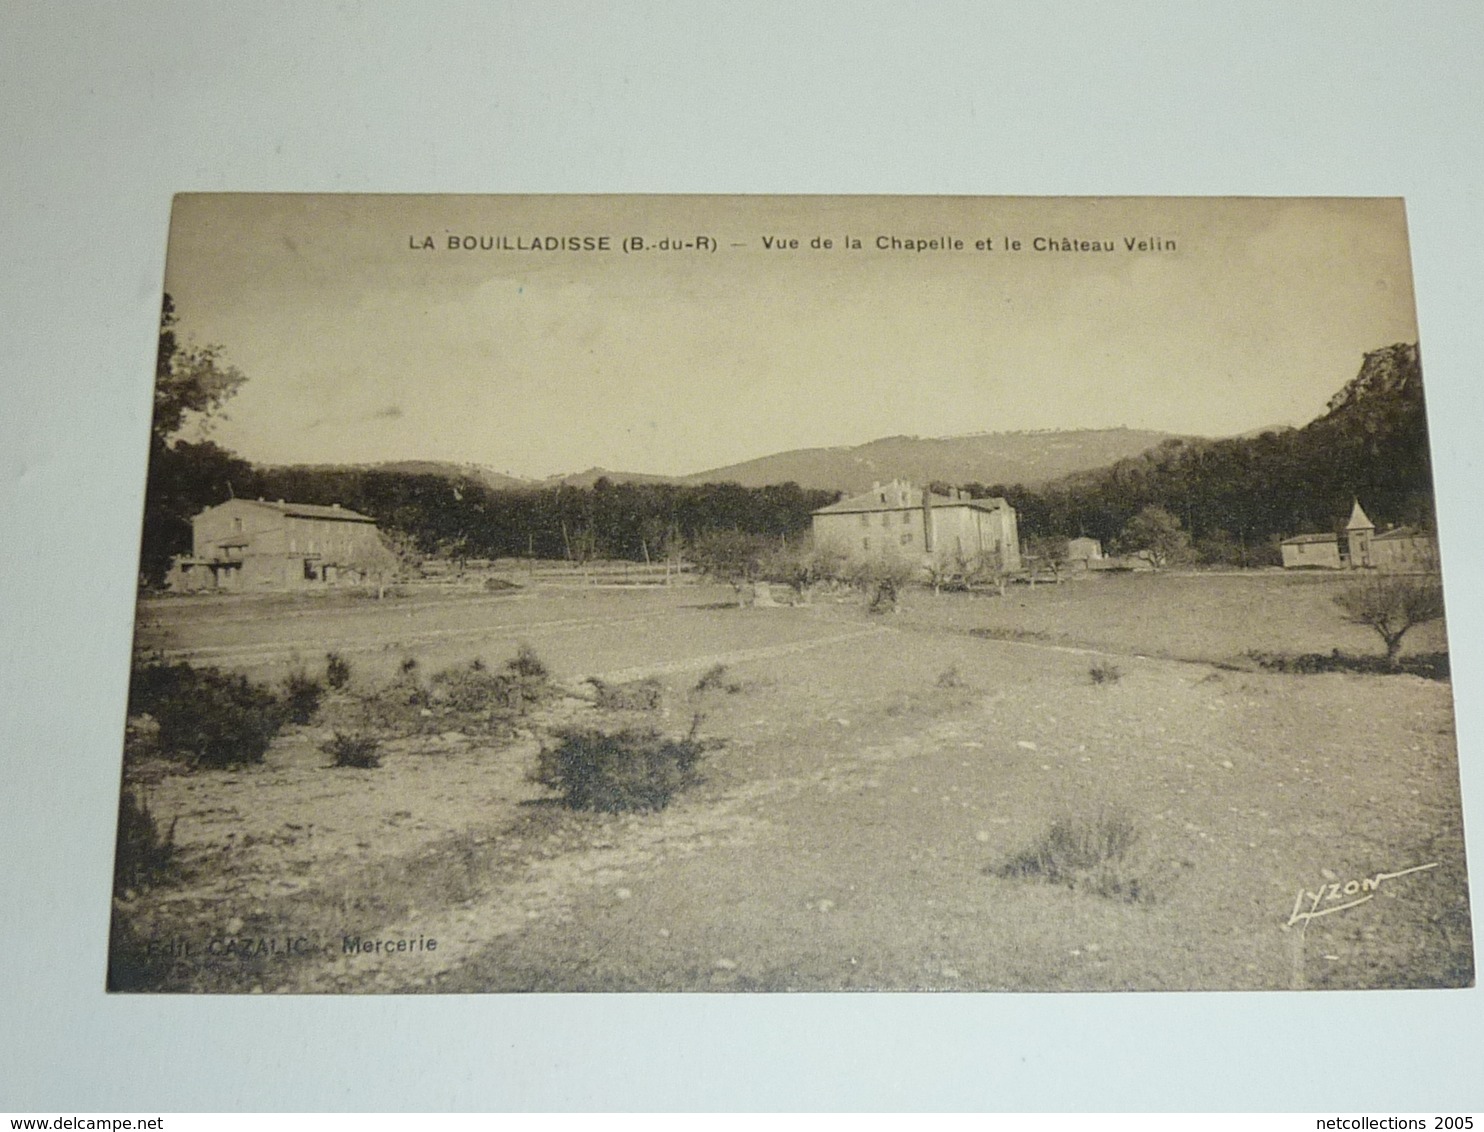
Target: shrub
x: 141, y: 738
x: 337, y: 670
x: 142, y: 855
x: 1428, y: 665
x: 527, y: 665
x: 472, y: 691
x: 715, y: 679
x: 301, y: 696
x: 614, y: 772
x: 469, y: 689
x: 1105, y: 672
x: 950, y: 678
x: 360, y: 751
x: 637, y: 695
x: 882, y: 581
x: 206, y: 716
x: 1088, y: 855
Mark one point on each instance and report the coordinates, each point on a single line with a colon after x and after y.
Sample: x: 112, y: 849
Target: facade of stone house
x: 898, y: 520
x: 247, y: 544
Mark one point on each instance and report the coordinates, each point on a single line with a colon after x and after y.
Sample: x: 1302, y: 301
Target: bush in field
x: 1105, y: 672
x: 618, y: 771
x: 950, y: 677
x: 360, y: 751
x: 472, y: 691
x: 714, y: 679
x: 206, y: 716
x: 1085, y: 854
x: 527, y: 665
x: 301, y: 696
x: 469, y: 689
x: 1391, y: 606
x: 882, y: 580
x: 337, y: 670
x: 636, y: 695
x: 143, y: 856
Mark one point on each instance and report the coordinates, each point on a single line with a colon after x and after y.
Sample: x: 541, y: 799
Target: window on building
x: 865, y: 520
x: 906, y: 517
x: 906, y: 538
x: 865, y: 544
x: 237, y: 524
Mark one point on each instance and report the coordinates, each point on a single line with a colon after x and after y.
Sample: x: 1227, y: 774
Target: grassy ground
x: 872, y: 778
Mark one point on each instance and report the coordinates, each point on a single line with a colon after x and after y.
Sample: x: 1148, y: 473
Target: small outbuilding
x: 1318, y: 552
x: 1084, y: 550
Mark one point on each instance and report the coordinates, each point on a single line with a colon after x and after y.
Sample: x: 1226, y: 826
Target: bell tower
x: 1358, y: 532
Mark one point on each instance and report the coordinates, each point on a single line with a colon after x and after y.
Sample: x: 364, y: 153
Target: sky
x: 361, y: 344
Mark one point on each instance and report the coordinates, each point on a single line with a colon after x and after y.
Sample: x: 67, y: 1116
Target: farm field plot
x: 889, y: 802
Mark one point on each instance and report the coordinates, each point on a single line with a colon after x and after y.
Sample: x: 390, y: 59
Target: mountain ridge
x: 1030, y: 457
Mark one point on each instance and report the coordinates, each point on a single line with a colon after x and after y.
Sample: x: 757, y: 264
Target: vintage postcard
x: 788, y: 594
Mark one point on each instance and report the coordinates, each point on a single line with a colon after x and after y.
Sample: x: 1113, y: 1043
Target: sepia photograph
x: 788, y: 594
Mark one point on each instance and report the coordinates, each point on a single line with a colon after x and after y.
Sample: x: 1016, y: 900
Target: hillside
x: 1030, y: 458
x: 999, y: 457
x: 593, y: 475
x: 448, y: 470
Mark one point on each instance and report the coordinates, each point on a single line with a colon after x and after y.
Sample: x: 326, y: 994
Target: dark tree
x: 191, y: 384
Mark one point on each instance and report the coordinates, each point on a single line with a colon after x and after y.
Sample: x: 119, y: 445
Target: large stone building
x: 247, y: 544
x: 897, y: 519
x: 1399, y: 550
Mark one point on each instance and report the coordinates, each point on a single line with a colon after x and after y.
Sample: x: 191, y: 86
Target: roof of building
x: 1359, y: 521
x: 1310, y: 538
x: 1402, y: 532
x: 312, y: 510
x: 902, y: 496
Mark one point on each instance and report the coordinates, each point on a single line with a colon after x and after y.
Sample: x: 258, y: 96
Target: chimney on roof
x: 927, y: 519
x: 335, y: 507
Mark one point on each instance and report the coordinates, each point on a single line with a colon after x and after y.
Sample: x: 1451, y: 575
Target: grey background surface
x: 105, y: 111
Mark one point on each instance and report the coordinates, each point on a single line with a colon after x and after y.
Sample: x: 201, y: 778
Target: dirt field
x: 869, y: 778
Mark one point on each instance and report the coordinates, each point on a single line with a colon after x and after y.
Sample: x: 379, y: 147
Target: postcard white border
x: 108, y: 115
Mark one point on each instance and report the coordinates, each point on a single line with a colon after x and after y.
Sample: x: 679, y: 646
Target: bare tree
x: 882, y: 581
x: 1049, y: 552
x: 1391, y: 606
